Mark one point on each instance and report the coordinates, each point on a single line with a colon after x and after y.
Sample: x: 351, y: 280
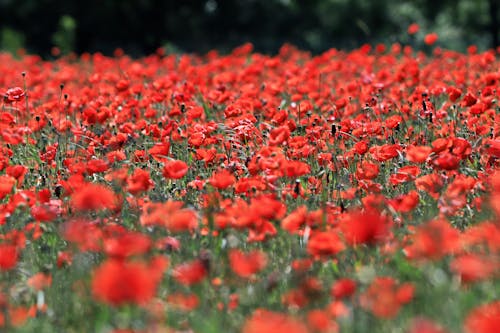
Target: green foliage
x: 11, y: 40
x: 201, y: 25
x: 64, y: 38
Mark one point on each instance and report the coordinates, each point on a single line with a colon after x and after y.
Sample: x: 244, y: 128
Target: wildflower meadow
x: 349, y: 191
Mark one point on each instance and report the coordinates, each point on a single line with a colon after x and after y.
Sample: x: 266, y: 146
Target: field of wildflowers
x: 345, y: 192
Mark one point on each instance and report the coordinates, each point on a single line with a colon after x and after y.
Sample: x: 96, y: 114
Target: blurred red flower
x: 264, y: 321
x: 174, y: 169
x: 484, y: 319
x: 190, y: 273
x: 15, y: 94
x: 431, y: 38
x: 94, y: 197
x: 118, y: 282
x: 245, y: 265
x: 8, y: 256
x: 413, y: 28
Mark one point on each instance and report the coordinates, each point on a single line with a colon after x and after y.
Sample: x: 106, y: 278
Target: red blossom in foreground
x: 413, y: 28
x: 190, y: 273
x: 431, y: 38
x: 139, y: 181
x: 343, y: 288
x: 6, y: 185
x: 433, y: 240
x: 170, y: 215
x: 222, y: 179
x: 472, y: 267
x: 119, y: 282
x: 245, y: 265
x: 15, y: 94
x: 422, y: 325
x: 384, y: 297
x: 94, y: 197
x: 264, y: 321
x: 367, y: 227
x: 8, y: 256
x: 484, y: 319
x: 174, y: 169
x: 325, y: 244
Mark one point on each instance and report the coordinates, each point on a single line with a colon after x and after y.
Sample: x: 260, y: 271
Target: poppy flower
x: 6, y: 185
x: 423, y: 325
x: 190, y: 273
x: 367, y: 227
x: 174, y: 169
x: 321, y: 321
x: 40, y: 281
x: 127, y: 244
x: 94, y: 197
x: 245, y: 265
x: 418, y: 154
x: 483, y: 319
x: 413, y: 29
x: 183, y: 302
x: 170, y: 215
x: 222, y: 179
x: 343, y: 288
x: 117, y: 282
x: 264, y: 321
x: 384, y: 297
x: 293, y: 222
x: 324, y: 243
x: 471, y: 267
x: 15, y: 94
x: 433, y: 240
x: 139, y: 181
x: 431, y: 38
x: 8, y: 256
x: 367, y: 170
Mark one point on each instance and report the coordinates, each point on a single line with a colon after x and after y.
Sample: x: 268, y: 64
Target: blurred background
x: 139, y: 27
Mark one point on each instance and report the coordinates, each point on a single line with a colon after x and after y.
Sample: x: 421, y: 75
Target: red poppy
x: 15, y: 94
x: 343, y: 288
x: 264, y: 321
x: 183, y: 302
x: 94, y: 197
x: 40, y: 281
x: 384, y: 297
x: 174, y: 169
x: 324, y: 243
x: 127, y: 244
x: 8, y: 256
x: 321, y: 321
x: 367, y: 170
x: 473, y: 268
x: 170, y: 215
x: 118, y: 282
x: 417, y: 154
x: 87, y: 235
x: 6, y: 185
x: 190, y: 273
x: 222, y: 179
x: 483, y: 319
x: 246, y: 265
x: 293, y: 222
x: 422, y: 325
x: 367, y: 227
x: 431, y: 38
x: 433, y: 240
x: 139, y: 181
x: 413, y: 28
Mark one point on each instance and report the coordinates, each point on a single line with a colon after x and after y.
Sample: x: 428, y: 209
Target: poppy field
x: 351, y: 191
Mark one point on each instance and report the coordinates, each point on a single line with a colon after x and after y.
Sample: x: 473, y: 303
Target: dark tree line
x: 140, y: 26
